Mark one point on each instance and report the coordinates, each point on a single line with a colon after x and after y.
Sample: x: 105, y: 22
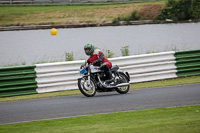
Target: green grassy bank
x: 169, y: 82
x: 162, y: 120
x: 73, y: 14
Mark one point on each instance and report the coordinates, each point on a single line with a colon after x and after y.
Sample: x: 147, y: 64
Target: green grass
x: 162, y: 120
x: 53, y: 8
x: 26, y: 15
x: 37, y: 9
x: 169, y: 82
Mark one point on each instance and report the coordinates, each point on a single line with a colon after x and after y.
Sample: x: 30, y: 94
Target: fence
x: 188, y: 63
x: 148, y: 67
x: 17, y: 81
x: 59, y: 76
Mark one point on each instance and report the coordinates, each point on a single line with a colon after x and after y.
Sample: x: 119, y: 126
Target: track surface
x: 76, y: 105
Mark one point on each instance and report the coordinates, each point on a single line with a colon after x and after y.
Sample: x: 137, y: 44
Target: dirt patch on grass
x: 150, y: 11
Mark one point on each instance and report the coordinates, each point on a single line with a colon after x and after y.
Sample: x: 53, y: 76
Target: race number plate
x: 83, y: 71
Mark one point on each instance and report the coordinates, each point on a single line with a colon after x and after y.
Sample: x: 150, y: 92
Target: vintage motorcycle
x: 93, y: 80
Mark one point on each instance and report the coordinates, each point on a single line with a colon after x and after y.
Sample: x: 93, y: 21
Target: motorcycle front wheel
x: 86, y: 88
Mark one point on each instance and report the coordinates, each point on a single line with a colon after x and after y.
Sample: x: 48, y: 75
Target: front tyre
x: 87, y: 89
x: 123, y: 79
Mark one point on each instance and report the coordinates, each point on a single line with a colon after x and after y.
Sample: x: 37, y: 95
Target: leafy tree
x: 180, y: 10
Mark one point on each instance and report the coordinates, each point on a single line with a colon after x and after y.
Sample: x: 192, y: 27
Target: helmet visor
x: 87, y: 51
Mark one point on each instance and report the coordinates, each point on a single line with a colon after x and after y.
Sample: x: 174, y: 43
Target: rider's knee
x: 104, y: 67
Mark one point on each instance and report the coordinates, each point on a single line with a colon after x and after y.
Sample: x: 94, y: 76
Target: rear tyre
x: 123, y: 79
x: 87, y: 89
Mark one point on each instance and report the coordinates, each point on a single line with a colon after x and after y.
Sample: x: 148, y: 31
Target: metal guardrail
x: 17, y: 81
x: 188, y: 63
x: 148, y: 67
x: 59, y: 76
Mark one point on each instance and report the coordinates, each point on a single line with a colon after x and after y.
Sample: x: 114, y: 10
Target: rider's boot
x: 111, y: 78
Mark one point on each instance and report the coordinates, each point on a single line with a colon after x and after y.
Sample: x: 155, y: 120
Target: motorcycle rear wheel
x: 89, y: 90
x: 123, y: 79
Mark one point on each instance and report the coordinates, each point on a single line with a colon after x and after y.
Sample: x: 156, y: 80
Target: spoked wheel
x: 122, y: 79
x: 86, y: 88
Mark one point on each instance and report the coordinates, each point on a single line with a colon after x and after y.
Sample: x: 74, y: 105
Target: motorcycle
x: 93, y: 80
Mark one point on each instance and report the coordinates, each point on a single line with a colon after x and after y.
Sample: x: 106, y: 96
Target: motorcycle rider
x: 97, y: 58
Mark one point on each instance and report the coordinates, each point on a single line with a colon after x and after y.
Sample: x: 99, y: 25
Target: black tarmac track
x: 77, y: 105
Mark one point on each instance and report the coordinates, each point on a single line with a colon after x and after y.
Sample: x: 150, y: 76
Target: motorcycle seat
x: 114, y: 68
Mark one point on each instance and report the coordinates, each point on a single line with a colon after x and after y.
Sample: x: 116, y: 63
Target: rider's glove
x: 82, y: 66
x: 95, y: 62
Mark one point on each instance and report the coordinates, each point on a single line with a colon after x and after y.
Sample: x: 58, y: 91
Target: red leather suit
x: 99, y: 56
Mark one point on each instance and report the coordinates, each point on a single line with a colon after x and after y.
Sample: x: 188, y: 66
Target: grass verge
x: 72, y: 14
x: 184, y: 119
x: 169, y: 82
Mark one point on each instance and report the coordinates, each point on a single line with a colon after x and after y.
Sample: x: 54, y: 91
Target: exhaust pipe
x: 122, y: 85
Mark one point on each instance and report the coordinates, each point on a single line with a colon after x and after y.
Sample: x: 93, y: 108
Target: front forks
x: 88, y: 81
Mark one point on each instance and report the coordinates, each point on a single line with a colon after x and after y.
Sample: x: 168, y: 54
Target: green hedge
x: 181, y: 10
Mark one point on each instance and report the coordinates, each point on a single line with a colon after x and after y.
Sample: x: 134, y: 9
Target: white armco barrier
x: 57, y: 76
x: 148, y: 67
x: 63, y: 75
